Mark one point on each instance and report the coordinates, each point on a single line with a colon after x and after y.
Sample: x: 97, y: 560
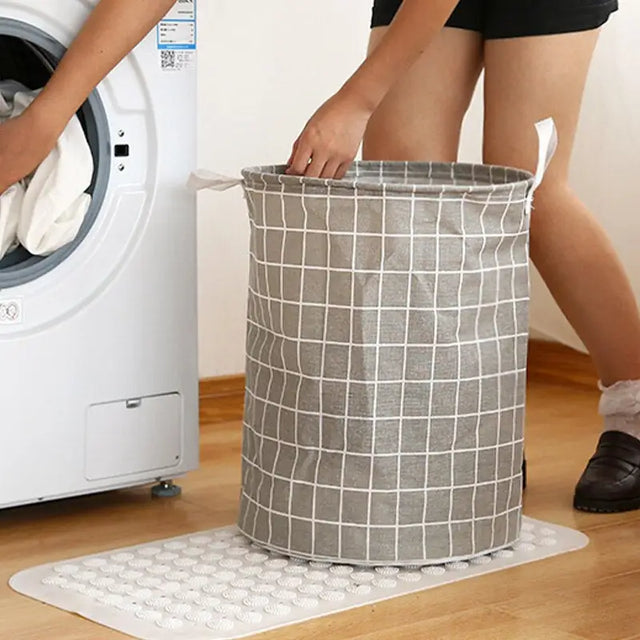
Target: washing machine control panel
x: 10, y: 311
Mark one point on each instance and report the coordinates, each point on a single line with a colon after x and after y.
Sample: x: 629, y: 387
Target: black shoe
x: 611, y: 481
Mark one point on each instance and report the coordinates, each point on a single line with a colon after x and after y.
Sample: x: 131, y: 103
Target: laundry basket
x: 386, y: 357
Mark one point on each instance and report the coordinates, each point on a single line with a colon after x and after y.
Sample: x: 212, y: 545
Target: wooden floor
x: 592, y: 594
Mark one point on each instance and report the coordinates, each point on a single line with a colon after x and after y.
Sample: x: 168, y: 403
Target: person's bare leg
x: 525, y: 82
x: 422, y: 116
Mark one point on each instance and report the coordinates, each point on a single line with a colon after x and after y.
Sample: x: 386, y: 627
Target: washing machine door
x: 29, y: 55
x: 120, y: 123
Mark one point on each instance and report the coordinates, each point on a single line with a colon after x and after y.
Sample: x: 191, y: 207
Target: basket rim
x: 274, y: 175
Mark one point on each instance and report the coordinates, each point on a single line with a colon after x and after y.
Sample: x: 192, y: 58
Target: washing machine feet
x: 165, y: 489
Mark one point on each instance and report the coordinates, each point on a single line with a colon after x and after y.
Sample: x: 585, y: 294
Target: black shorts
x: 515, y: 18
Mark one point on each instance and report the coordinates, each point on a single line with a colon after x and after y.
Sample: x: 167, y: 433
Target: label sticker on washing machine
x: 182, y: 10
x: 177, y: 37
x: 172, y: 60
x: 177, y: 34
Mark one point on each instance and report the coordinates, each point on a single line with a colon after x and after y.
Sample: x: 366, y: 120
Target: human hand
x: 330, y: 141
x: 25, y: 142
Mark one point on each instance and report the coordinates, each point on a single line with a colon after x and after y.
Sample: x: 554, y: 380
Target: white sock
x: 620, y: 407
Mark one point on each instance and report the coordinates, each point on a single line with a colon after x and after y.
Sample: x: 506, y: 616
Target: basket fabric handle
x: 204, y: 179
x: 548, y: 144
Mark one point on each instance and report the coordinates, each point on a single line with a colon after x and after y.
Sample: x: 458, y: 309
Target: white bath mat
x: 217, y: 584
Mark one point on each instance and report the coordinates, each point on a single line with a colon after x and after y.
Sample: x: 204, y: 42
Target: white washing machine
x: 98, y: 346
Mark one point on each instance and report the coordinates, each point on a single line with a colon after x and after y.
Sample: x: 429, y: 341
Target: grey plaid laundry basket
x: 386, y: 359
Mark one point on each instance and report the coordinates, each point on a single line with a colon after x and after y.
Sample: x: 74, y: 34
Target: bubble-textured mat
x: 217, y: 584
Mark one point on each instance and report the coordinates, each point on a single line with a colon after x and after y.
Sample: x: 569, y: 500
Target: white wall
x: 265, y: 66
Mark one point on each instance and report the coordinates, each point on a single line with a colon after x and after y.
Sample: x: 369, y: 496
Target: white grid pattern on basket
x: 386, y: 350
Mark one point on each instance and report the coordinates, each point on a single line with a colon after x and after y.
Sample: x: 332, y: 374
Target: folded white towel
x: 45, y: 211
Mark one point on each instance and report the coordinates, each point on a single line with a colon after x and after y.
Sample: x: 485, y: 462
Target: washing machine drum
x: 29, y: 56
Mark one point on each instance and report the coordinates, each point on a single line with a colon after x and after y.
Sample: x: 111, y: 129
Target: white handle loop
x: 203, y: 179
x: 547, y: 146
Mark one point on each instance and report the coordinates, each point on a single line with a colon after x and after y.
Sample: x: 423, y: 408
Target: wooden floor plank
x: 413, y: 619
x: 606, y: 609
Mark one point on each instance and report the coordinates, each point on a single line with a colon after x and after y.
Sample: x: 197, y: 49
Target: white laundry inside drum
x: 53, y: 218
x: 44, y: 211
x: 218, y: 585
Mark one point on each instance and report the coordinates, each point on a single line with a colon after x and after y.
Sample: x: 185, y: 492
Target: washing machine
x: 98, y: 341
